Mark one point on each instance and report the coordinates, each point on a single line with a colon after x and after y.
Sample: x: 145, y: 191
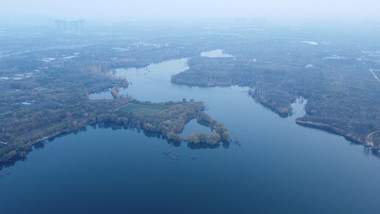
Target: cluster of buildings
x: 76, y: 26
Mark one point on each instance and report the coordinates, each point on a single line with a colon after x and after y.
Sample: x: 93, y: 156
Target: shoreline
x: 333, y: 130
x: 286, y: 112
x: 148, y: 124
x: 369, y: 137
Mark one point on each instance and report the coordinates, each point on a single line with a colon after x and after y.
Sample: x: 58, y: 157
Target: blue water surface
x: 276, y: 166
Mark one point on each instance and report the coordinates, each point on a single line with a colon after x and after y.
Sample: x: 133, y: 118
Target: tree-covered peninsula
x: 46, y: 93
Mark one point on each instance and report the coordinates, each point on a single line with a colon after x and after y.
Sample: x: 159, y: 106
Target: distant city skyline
x: 75, y: 26
x: 292, y: 9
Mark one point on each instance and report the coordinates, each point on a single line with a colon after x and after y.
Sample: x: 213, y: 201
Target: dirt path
x: 374, y: 75
x: 368, y: 139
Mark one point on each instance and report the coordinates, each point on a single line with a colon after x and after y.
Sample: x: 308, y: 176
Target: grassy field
x: 144, y: 109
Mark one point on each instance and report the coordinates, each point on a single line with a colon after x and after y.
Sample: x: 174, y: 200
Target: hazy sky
x: 305, y: 9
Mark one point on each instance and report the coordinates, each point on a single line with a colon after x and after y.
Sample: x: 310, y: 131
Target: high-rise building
x: 61, y: 25
x: 76, y: 26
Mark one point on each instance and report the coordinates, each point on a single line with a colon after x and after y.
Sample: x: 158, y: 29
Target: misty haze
x: 189, y: 106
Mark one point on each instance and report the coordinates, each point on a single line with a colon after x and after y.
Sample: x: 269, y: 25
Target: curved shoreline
x: 183, y: 113
x: 286, y: 112
x: 326, y: 127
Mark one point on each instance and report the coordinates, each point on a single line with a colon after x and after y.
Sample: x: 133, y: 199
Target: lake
x: 217, y: 53
x: 277, y: 167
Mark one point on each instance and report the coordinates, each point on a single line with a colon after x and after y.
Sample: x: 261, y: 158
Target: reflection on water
x: 333, y: 57
x: 280, y: 167
x: 310, y: 42
x: 194, y: 127
x: 152, y: 83
x: 298, y: 107
x: 157, y: 72
x: 309, y: 66
x: 218, y: 53
x: 101, y: 95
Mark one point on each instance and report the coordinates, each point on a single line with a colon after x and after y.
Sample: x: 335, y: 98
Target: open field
x: 144, y: 109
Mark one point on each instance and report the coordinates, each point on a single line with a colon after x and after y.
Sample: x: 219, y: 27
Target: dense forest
x: 342, y: 94
x: 45, y: 92
x: 46, y: 79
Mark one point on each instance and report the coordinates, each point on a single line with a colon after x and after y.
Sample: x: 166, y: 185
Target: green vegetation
x: 376, y: 139
x: 41, y: 100
x: 144, y: 109
x: 342, y: 94
x: 45, y: 92
x: 46, y: 80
